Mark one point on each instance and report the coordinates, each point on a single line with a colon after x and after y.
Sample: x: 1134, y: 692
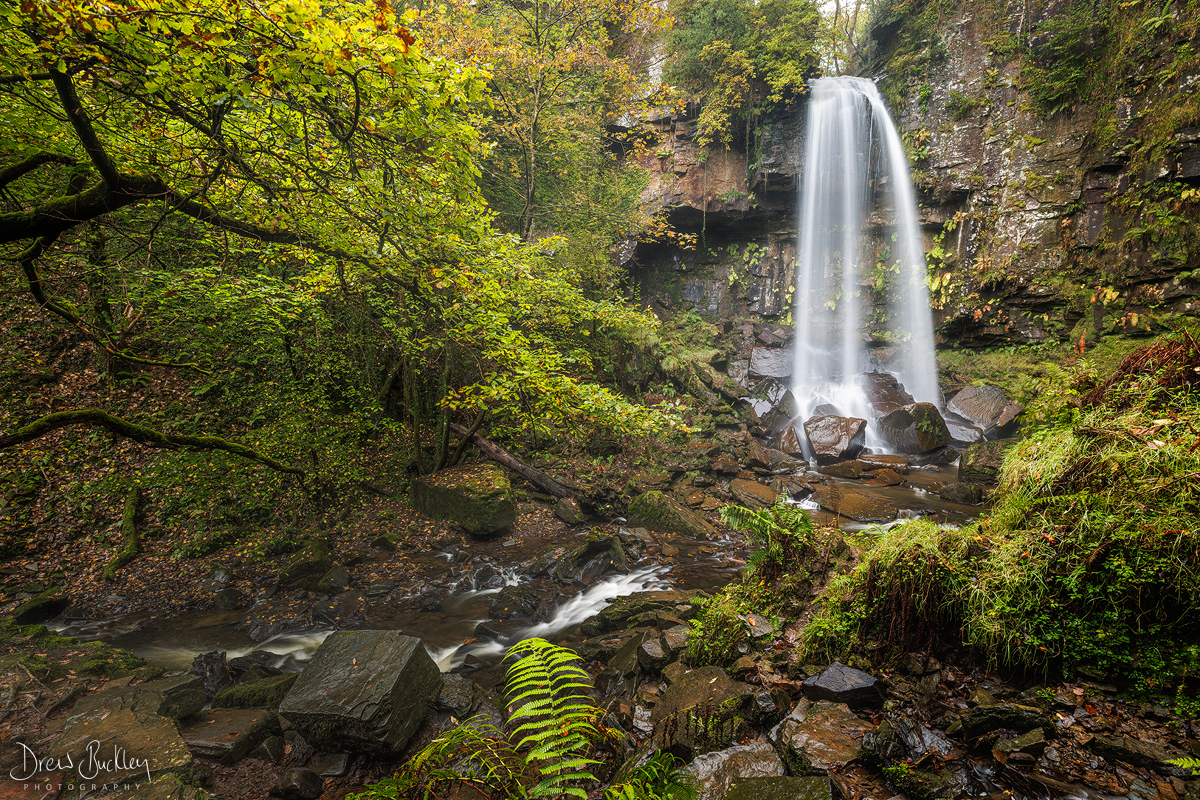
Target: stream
x: 448, y: 626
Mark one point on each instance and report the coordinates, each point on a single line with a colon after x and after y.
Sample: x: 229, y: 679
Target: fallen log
x: 506, y: 459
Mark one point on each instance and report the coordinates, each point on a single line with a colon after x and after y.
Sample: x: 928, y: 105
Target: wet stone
x: 652, y: 656
x: 841, y: 684
x: 299, y: 784
x: 334, y: 765
x: 835, y: 438
x: 814, y: 788
x: 270, y: 750
x: 714, y: 773
x: 752, y: 493
x: 363, y: 690
x: 825, y: 737
x: 228, y: 734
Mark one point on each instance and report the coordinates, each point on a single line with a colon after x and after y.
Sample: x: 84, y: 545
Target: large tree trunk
x: 498, y: 454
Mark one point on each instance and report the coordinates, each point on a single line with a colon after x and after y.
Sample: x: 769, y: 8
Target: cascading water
x: 853, y: 150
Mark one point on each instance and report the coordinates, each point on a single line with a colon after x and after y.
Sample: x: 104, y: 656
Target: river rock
x: 986, y: 408
x: 299, y: 784
x: 790, y: 442
x: 704, y: 686
x: 478, y: 497
x: 567, y: 509
x: 835, y: 438
x: 305, y: 569
x: 771, y: 362
x: 215, y: 671
x: 125, y: 718
x: 884, y: 393
x: 970, y: 494
x: 1032, y: 743
x: 980, y: 463
x: 820, y: 737
x: 752, y: 494
x: 652, y: 656
x: 41, y: 609
x: 843, y: 469
x: 334, y: 581
x: 962, y: 431
x: 607, y: 645
x: 661, y: 512
x: 841, y: 684
x: 915, y: 428
x: 229, y: 599
x: 855, y: 502
x: 513, y: 601
x: 896, y: 463
x: 363, y: 691
x: 1138, y: 753
x: 1007, y: 716
x: 227, y: 734
x: 900, y: 739
x: 885, y: 477
x: 715, y: 773
x: 622, y: 609
x: 459, y: 696
x: 810, y: 788
x: 601, y: 553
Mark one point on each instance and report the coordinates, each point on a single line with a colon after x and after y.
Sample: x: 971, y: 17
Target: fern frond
x: 556, y: 719
x: 1186, y: 763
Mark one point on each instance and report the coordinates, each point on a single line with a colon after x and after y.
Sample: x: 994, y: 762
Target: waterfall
x: 844, y: 288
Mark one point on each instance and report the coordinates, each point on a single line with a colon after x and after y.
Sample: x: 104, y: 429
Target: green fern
x: 1188, y: 763
x: 555, y: 718
x: 779, y: 535
x: 660, y: 778
x: 482, y: 758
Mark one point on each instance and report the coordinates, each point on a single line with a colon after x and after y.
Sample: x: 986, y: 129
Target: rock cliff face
x: 1038, y: 225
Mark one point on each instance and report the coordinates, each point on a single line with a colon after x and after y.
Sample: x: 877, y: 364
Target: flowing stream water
x: 858, y: 309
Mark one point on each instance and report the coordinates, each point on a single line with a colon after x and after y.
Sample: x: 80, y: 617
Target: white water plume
x: 568, y: 614
x: 852, y: 152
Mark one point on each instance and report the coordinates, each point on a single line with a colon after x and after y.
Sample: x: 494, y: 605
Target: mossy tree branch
x: 129, y: 536
x: 139, y: 433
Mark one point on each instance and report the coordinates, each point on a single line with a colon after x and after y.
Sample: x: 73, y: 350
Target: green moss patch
x: 266, y: 693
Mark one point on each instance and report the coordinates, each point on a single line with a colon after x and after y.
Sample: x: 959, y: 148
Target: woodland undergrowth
x: 1087, y: 565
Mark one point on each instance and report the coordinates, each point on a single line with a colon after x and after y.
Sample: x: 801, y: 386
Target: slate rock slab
x: 363, y: 691
x: 841, y: 684
x: 299, y: 784
x: 228, y: 734
x: 123, y: 719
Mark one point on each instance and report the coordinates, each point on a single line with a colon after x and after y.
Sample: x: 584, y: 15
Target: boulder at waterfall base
x: 478, y: 497
x: 363, y: 691
x: 836, y: 438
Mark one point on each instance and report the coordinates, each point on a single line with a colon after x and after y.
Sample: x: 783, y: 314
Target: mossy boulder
x: 44, y: 607
x: 980, y: 463
x: 305, y: 569
x: 661, y: 512
x: 478, y: 497
x: 265, y: 693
